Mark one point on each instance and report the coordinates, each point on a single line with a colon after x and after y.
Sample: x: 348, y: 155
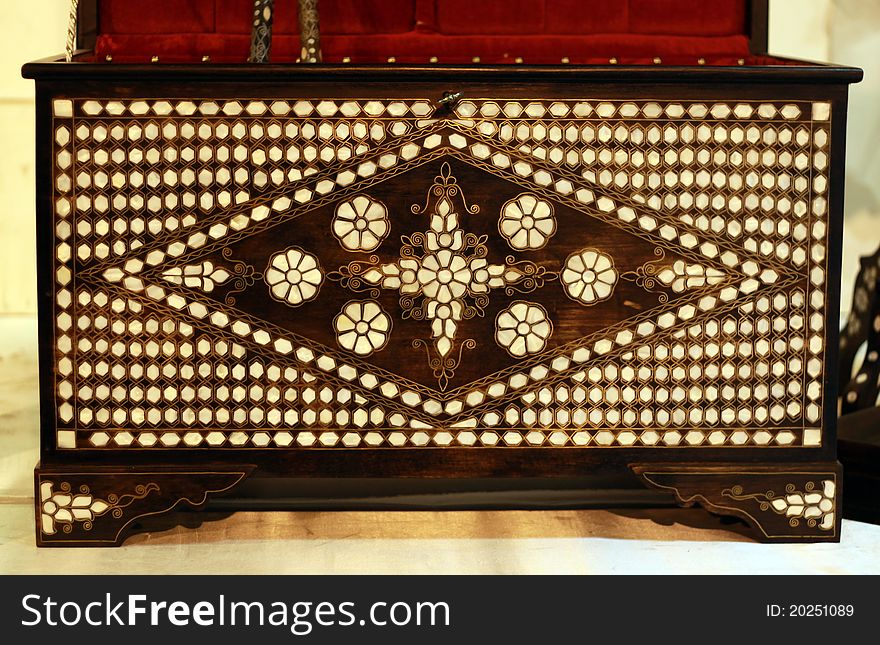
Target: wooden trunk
x: 627, y: 275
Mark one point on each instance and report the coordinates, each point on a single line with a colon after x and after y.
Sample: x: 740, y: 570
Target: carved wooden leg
x: 795, y: 503
x: 102, y: 506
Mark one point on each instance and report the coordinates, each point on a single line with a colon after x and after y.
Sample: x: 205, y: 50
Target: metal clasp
x: 449, y: 99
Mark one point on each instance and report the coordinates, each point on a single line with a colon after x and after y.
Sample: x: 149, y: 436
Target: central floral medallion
x: 443, y: 275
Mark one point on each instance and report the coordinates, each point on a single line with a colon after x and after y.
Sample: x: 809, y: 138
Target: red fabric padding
x: 456, y: 17
x: 635, y: 32
x: 451, y: 17
x: 419, y: 48
x: 337, y: 16
x: 426, y: 15
x: 165, y: 17
x: 687, y: 17
x: 604, y: 16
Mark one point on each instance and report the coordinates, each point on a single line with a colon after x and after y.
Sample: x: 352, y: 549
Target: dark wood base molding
x: 796, y: 504
x: 79, y: 506
x: 102, y: 506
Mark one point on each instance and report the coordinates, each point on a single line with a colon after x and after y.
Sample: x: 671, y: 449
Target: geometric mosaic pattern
x: 714, y: 337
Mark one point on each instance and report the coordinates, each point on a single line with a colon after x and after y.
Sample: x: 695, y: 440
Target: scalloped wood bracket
x: 95, y: 506
x: 782, y: 503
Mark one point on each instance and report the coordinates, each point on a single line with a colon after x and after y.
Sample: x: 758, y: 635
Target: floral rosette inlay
x: 523, y: 328
x: 294, y: 276
x: 444, y: 276
x: 362, y: 327
x: 360, y: 224
x: 589, y: 276
x: 527, y: 222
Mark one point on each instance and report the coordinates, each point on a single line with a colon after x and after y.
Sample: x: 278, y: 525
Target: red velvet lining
x: 634, y: 32
x: 687, y: 17
x: 426, y: 15
x: 166, y: 17
x: 604, y: 16
x: 455, y: 17
x: 415, y: 47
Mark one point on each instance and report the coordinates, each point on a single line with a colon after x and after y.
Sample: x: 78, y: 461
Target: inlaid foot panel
x: 88, y: 506
x: 798, y: 503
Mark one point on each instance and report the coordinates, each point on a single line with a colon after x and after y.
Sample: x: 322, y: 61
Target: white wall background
x: 31, y: 29
x: 854, y: 37
x: 843, y: 31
